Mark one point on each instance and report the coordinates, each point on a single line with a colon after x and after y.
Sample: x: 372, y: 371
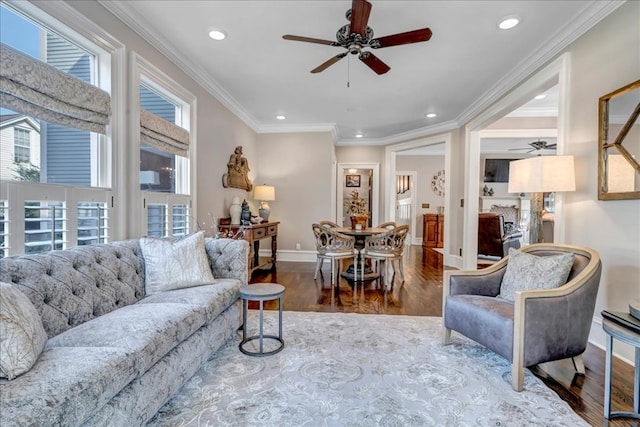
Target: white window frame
x: 145, y: 72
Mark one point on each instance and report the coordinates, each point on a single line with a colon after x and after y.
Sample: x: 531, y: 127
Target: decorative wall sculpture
x: 237, y: 175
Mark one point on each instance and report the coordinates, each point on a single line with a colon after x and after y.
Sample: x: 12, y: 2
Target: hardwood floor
x: 421, y: 295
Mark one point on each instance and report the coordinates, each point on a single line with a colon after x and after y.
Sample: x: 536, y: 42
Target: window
x: 165, y: 151
x: 44, y: 226
x: 57, y: 183
x: 92, y: 223
x: 22, y: 145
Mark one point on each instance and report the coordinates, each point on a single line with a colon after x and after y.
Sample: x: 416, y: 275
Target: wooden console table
x: 253, y: 234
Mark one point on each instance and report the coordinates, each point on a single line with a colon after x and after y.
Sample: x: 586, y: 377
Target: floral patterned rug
x: 343, y: 369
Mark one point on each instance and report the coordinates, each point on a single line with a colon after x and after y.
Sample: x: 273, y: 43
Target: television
x: 497, y: 170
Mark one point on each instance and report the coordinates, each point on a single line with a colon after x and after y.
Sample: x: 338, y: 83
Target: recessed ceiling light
x: 359, y: 135
x: 217, y: 34
x: 281, y: 117
x: 508, y: 22
x: 431, y: 115
x: 541, y: 96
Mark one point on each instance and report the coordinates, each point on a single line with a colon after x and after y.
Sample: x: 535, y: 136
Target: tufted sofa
x: 113, y: 356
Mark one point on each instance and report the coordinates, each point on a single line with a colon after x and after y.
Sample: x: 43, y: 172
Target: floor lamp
x: 537, y: 175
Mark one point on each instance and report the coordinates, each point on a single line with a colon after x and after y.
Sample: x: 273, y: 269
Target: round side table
x: 261, y: 292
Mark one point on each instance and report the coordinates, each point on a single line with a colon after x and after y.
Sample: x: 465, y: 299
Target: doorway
x: 362, y: 179
x: 555, y: 73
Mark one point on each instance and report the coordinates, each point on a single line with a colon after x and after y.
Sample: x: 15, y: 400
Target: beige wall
x: 300, y: 167
x: 604, y: 59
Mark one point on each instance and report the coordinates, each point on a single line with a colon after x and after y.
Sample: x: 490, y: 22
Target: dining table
x: 360, y: 236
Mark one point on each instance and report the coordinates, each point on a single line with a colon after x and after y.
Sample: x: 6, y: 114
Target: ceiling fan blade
x: 309, y: 40
x: 329, y: 63
x: 360, y: 10
x: 516, y: 149
x: 551, y: 146
x: 374, y: 62
x: 414, y: 36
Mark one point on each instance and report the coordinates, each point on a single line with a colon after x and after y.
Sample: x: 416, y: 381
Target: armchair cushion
x: 525, y: 272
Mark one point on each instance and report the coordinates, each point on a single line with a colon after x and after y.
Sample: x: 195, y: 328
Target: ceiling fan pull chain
x: 348, y: 71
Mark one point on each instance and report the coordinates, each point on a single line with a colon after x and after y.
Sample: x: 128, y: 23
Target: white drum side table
x: 626, y: 335
x: 261, y: 292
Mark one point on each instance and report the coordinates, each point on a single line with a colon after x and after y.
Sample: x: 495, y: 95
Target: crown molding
x: 124, y: 12
x: 293, y: 128
x: 403, y: 136
x: 555, y: 43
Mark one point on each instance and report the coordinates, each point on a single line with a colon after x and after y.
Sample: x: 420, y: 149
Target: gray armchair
x: 540, y: 326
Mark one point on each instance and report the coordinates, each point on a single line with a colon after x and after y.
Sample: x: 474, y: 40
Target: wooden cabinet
x: 253, y: 234
x: 433, y: 230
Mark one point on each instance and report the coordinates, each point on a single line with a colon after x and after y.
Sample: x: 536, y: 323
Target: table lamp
x: 264, y: 193
x: 537, y: 175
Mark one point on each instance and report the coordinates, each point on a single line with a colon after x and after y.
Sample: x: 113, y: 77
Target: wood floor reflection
x: 421, y: 295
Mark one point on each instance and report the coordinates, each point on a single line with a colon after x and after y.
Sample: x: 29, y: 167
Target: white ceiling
x: 466, y: 66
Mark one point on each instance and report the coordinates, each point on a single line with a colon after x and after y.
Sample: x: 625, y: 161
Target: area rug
x: 343, y: 369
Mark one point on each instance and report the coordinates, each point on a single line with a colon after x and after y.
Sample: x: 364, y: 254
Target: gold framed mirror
x: 619, y: 144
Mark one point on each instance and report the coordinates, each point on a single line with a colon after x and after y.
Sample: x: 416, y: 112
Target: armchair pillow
x: 22, y: 336
x: 526, y: 272
x: 175, y: 264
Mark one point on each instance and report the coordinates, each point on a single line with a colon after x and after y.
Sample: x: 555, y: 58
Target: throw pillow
x: 526, y: 272
x: 175, y: 264
x: 22, y: 336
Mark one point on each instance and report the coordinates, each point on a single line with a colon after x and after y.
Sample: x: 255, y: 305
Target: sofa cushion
x: 175, y: 263
x: 22, y: 336
x: 486, y: 320
x: 66, y: 386
x: 148, y: 331
x: 526, y: 272
x: 212, y: 299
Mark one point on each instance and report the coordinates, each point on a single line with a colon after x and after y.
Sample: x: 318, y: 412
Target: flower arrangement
x: 355, y: 205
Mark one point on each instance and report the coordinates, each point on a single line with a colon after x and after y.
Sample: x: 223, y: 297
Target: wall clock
x: 437, y: 183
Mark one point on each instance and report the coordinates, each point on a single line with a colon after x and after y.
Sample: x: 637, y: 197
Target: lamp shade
x: 542, y: 174
x: 265, y: 193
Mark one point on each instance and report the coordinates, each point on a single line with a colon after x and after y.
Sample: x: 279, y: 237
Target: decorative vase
x: 359, y: 219
x: 235, y: 210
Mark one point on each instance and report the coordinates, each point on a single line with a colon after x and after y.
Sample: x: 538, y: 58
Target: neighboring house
x: 19, y: 145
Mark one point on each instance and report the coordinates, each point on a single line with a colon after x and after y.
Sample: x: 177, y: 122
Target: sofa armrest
x: 229, y: 258
x: 555, y: 323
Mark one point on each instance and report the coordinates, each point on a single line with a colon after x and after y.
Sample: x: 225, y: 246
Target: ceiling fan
x: 537, y: 145
x: 356, y: 36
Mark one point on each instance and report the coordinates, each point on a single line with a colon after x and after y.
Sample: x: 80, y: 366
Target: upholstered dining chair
x: 532, y: 325
x: 386, y: 247
x: 335, y: 247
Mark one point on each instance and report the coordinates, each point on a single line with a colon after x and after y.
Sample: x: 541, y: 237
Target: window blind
x: 163, y: 135
x: 37, y: 89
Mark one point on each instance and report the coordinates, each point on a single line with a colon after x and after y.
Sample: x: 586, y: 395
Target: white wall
x: 604, y: 59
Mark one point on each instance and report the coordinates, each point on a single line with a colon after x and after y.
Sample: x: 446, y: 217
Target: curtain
x: 163, y: 135
x: 34, y: 88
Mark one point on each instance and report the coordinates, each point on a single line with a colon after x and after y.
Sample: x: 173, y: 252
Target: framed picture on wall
x: 353, y: 180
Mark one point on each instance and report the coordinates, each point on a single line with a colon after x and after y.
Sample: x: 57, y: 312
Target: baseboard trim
x: 292, y: 256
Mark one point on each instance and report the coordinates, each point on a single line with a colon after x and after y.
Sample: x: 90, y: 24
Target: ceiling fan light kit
x: 356, y: 36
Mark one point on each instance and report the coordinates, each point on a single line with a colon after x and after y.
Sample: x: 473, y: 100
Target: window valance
x: 163, y: 135
x: 37, y: 89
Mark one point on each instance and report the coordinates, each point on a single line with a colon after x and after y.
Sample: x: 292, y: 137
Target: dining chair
x: 386, y: 247
x: 389, y: 225
x: 335, y: 247
x: 328, y: 224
